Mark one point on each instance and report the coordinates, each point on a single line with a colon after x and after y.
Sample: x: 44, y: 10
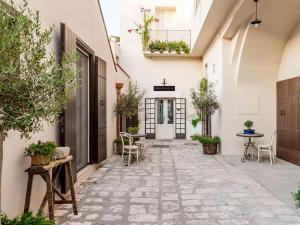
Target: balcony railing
x: 171, y: 35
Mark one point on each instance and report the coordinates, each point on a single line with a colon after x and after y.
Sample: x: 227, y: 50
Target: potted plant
x: 296, y: 196
x: 172, y: 46
x: 41, y: 153
x: 26, y: 219
x: 249, y: 124
x: 184, y: 48
x: 133, y: 130
x: 144, y: 29
x: 35, y: 87
x: 118, y: 145
x: 210, y: 144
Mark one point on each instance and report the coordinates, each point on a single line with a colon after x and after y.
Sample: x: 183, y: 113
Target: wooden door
x: 288, y: 120
x: 68, y: 126
x: 100, y: 153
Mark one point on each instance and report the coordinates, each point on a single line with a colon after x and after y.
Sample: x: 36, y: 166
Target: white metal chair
x: 267, y: 148
x: 141, y: 145
x: 130, y: 148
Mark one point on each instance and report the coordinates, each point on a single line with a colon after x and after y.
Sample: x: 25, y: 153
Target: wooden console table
x: 49, y: 173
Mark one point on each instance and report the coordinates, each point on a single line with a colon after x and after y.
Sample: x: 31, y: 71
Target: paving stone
x: 177, y: 185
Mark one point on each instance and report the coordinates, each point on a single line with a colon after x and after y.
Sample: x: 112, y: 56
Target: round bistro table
x: 248, y: 156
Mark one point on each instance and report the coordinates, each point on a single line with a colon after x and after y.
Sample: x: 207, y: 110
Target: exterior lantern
x: 256, y: 22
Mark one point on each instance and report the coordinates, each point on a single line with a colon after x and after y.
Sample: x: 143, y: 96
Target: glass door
x: 165, y: 119
x: 82, y: 111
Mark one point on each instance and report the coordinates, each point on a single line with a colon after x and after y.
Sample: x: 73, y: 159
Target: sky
x: 111, y: 13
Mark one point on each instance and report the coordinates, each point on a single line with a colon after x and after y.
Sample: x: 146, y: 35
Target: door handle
x: 282, y: 113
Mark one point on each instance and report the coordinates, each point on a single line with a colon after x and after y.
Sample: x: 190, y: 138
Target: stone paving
x: 176, y: 185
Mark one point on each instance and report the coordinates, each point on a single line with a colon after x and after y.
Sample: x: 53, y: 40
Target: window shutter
x: 68, y: 126
x: 100, y: 110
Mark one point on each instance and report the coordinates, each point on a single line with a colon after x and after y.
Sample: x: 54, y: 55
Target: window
x: 167, y: 18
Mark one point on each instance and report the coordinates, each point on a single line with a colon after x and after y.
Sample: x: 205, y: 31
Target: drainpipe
x: 118, y: 87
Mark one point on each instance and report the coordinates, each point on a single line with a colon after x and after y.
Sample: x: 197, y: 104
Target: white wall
x: 183, y: 73
x: 84, y: 18
x: 290, y: 66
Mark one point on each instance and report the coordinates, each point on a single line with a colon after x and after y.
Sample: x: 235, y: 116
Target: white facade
x: 183, y: 73
x: 85, y: 20
x: 244, y: 62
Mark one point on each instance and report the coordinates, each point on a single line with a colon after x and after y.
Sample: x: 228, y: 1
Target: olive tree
x: 205, y: 103
x: 34, y: 87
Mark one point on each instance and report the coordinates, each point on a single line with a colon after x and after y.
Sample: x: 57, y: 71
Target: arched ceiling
x: 263, y: 47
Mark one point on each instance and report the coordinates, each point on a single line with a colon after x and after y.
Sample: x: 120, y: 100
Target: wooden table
x: 49, y: 174
x: 246, y: 155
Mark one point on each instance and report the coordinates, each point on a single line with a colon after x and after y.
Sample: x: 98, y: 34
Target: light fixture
x: 256, y: 22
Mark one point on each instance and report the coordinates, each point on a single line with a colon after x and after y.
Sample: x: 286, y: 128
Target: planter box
x: 210, y: 149
x: 40, y: 160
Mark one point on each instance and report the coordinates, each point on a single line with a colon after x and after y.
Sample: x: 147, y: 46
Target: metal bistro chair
x: 130, y: 148
x: 141, y: 145
x: 267, y: 148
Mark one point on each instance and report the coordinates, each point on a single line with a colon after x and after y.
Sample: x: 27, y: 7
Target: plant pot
x: 62, y: 152
x: 210, y: 149
x: 249, y: 131
x: 40, y: 160
x: 118, y: 148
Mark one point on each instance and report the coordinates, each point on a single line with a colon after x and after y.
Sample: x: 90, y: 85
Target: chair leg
x: 271, y: 157
x: 129, y: 157
x: 258, y: 156
x: 122, y: 158
x: 137, y: 156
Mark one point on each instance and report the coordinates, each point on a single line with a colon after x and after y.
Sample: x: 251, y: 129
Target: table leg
x: 28, y: 193
x: 49, y: 195
x: 71, y: 184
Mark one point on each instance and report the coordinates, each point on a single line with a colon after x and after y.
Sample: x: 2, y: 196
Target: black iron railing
x: 171, y: 35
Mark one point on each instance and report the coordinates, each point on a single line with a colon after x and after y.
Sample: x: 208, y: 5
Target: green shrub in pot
x: 133, y: 130
x: 210, y: 144
x: 41, y: 153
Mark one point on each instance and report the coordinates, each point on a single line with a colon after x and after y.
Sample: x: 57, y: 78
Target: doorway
x: 165, y: 122
x: 82, y: 110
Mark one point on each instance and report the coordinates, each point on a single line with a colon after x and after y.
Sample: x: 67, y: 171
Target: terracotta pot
x: 40, y: 160
x: 210, y: 149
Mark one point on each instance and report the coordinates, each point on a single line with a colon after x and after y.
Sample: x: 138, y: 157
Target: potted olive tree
x: 34, y: 87
x: 127, y: 107
x: 205, y: 104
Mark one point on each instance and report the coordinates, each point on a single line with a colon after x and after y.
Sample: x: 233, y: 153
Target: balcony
x: 169, y: 44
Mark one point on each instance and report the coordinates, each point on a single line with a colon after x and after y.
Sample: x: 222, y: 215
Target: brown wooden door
x: 288, y: 120
x: 68, y: 128
x: 100, y: 111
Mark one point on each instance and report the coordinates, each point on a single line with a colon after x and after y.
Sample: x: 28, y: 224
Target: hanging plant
x: 143, y: 29
x: 128, y: 104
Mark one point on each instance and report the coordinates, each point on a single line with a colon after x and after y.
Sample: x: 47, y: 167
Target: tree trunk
x: 1, y: 164
x: 206, y: 125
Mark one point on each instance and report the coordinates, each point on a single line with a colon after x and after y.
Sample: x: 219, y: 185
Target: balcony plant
x: 26, y: 219
x: 249, y: 124
x: 40, y: 153
x: 34, y: 88
x: 143, y: 29
x: 296, y: 196
x: 205, y: 104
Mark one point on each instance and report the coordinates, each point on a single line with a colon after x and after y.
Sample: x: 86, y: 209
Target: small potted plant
x: 249, y: 124
x: 210, y: 144
x: 133, y: 130
x: 41, y: 153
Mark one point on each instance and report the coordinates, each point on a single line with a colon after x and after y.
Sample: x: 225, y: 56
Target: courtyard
x: 177, y: 184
